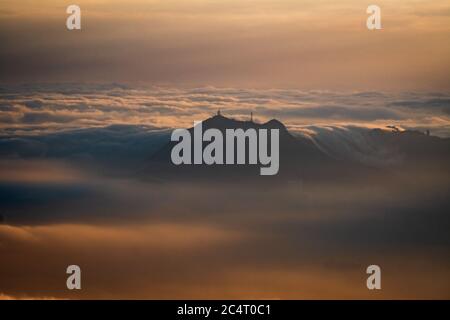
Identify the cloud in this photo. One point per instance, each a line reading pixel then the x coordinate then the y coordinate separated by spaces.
pixel 353 143
pixel 235 242
pixel 50 108
pixel 117 126
pixel 46 117
pixel 335 112
pixel 9 297
pixel 117 147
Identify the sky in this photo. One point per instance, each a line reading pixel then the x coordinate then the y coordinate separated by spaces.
pixel 239 43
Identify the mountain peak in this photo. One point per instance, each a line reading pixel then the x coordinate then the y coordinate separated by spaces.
pixel 222 122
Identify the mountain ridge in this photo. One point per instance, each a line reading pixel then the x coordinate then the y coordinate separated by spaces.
pixel 299 157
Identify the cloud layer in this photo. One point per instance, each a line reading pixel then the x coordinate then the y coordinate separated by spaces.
pixel 146 241
pixel 49 108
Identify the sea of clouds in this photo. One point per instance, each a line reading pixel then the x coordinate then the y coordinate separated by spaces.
pixel 35 109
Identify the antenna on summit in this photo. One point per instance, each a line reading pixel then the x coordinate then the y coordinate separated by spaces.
pixel 251 116
pixel 218 113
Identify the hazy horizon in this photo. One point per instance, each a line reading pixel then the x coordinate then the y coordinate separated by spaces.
pixel 300 44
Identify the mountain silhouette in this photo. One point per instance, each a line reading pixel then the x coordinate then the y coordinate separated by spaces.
pixel 299 159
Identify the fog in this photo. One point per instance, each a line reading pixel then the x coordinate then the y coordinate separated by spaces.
pixel 137 239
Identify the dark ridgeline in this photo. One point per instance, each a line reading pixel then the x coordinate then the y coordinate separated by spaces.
pixel 299 159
